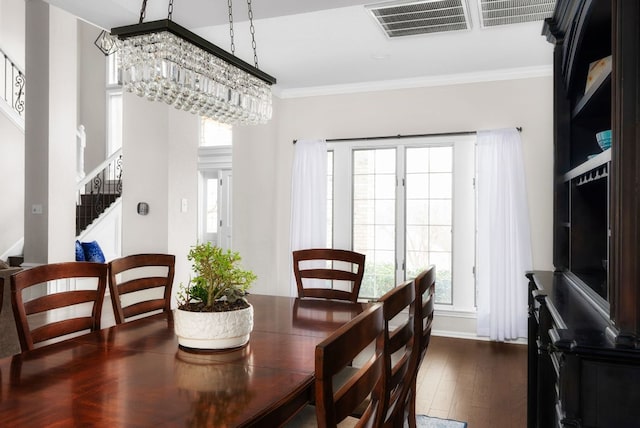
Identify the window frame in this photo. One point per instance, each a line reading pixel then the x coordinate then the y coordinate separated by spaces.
pixel 214 162
pixel 113 90
pixel 463 287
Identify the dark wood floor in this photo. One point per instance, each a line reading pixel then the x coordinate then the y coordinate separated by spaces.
pixel 481 383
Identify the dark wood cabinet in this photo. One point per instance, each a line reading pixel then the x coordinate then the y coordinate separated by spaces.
pixel 578 376
pixel 584 318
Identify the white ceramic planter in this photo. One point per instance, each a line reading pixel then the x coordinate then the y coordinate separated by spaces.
pixel 212 372
pixel 213 330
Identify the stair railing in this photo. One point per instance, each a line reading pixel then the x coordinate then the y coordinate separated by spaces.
pixel 98 190
pixel 13 85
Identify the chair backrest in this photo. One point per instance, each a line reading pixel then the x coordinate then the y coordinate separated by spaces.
pixel 141 272
pixel 400 347
pixel 425 284
pixel 44 328
pixel 335 273
pixel 334 354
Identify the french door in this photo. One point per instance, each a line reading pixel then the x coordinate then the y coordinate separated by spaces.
pixel 216 224
pixel 394 201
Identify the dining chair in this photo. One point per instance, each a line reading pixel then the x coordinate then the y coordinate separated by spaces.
pixel 400 353
pixel 149 276
pixel 425 286
pixel 313 264
pixel 336 402
pixel 37 319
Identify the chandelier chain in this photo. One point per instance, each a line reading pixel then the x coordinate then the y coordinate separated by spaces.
pixel 253 34
pixel 155 55
pixel 143 10
pixel 233 46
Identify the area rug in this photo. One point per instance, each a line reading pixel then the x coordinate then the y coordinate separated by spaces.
pixel 423 421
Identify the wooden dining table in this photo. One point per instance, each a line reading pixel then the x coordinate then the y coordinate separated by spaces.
pixel 135 374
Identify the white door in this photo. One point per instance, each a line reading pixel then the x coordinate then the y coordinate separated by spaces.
pixel 209 208
pixel 216 208
pixel 224 209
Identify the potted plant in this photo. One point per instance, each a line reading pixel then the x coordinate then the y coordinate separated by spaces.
pixel 212 310
pixel 219 392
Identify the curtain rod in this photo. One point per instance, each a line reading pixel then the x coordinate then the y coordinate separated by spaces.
pixel 389 137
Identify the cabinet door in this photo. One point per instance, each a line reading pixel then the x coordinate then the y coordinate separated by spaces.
pixel 619 406
pixel 624 275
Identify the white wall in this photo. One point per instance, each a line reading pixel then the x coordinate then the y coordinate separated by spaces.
pixel 183 184
pixel 36 129
pixel 63 107
pixel 12 177
pixel 255 207
pixel 159 167
pixel 12 41
pixel 50 133
pixel 12 27
pixel 263 156
pixel 145 178
pixel 92 102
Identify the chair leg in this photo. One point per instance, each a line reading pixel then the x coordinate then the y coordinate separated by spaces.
pixel 412 404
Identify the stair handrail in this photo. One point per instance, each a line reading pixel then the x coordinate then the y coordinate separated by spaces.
pixel 95 171
pixel 98 190
pixel 14 76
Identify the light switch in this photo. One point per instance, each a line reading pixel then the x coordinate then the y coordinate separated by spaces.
pixel 184 205
pixel 36 209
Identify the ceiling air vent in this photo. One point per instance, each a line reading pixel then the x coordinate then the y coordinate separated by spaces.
pixel 503 12
pixel 399 19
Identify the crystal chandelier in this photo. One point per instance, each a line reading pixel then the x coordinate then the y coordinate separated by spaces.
pixel 163 61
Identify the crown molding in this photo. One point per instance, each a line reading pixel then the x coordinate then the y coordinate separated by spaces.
pixel 418 82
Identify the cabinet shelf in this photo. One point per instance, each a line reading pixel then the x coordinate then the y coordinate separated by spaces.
pixel 589 166
pixel 601 87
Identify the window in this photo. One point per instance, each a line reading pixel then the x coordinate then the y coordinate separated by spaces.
pixel 374 217
pixel 114 105
pixel 114 73
pixel 211 208
pixel 213 133
pixel 394 201
pixel 114 120
pixel 429 221
pixel 214 165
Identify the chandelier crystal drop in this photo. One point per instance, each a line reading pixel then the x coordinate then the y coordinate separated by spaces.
pixel 164 67
pixel 162 61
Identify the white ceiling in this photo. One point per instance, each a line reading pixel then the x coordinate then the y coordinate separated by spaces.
pixel 336 45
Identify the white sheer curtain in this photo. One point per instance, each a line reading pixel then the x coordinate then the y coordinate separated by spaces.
pixel 308 198
pixel 504 240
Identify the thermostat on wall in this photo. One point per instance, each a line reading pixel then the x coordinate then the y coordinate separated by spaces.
pixel 143 208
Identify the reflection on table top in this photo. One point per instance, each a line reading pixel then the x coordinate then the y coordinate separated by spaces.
pixel 135 374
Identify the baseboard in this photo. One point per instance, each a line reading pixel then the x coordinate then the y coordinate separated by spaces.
pixel 471 336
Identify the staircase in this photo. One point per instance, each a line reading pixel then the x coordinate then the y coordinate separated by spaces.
pixel 12 92
pixel 98 190
pixel 12 111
